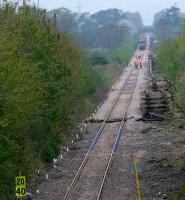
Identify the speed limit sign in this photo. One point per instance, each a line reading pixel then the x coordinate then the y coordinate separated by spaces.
pixel 20 186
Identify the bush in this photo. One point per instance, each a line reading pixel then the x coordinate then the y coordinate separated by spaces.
pixel 42 77
pixel 98 58
pixel 170 60
pixel 125 51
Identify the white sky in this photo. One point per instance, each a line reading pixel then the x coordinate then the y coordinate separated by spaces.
pixel 147 8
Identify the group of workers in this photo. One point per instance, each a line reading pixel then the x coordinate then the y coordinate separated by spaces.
pixel 138 62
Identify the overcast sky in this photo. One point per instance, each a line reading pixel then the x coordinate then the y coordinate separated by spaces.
pixel 147 8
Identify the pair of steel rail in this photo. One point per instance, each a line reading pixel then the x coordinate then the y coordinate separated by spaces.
pixel 98 134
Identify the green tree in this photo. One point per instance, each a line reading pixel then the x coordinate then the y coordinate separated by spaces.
pixel 167 23
pixel 124 51
pixel 42 78
pixel 170 60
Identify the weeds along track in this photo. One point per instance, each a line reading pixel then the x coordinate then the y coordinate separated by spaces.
pixel 89 180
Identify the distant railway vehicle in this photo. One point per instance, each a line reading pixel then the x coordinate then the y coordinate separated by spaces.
pixel 142 43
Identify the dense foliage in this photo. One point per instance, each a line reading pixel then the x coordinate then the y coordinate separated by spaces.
pixel 124 51
pixel 97 58
pixel 167 23
pixel 44 81
pixel 105 29
pixel 170 59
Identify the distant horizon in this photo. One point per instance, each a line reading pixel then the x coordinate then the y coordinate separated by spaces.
pixel 145 23
pixel 146 9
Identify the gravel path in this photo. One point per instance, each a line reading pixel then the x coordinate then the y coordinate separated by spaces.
pixel 88 185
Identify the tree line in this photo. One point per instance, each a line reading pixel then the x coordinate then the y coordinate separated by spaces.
pixel 169 27
pixel 167 23
pixel 105 29
pixel 44 81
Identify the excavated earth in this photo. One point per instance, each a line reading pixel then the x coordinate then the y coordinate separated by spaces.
pixel 152 144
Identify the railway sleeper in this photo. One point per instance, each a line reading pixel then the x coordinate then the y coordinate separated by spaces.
pixel 115 120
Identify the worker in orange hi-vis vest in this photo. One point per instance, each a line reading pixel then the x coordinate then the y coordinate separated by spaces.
pixel 140 55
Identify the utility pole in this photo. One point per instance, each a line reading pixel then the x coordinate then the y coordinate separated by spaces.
pixel 25 2
pixel 175 4
pixel 38 3
pixel 55 20
pixel 79 7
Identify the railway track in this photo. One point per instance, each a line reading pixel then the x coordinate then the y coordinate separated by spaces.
pixel 118 136
pixel 107 156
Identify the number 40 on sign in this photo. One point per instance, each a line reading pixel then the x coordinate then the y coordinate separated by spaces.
pixel 20 186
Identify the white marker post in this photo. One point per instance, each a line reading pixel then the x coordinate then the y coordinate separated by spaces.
pixel 47 176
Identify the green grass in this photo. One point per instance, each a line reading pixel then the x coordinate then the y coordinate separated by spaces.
pixel 178 195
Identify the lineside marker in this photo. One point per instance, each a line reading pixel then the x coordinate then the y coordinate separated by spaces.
pixel 137 179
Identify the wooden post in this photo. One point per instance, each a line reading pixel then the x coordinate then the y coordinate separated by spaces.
pixel 137 178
